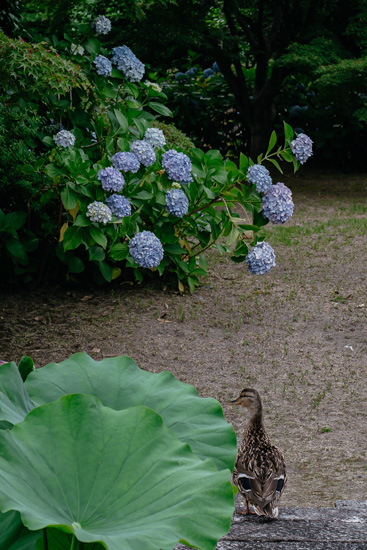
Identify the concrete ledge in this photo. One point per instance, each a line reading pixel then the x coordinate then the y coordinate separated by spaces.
pixel 341 528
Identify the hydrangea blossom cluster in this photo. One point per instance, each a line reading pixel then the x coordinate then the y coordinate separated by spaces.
pixel 76 50
pixel 119 206
pixel 260 177
pixel 208 73
pixel 302 147
pixel 99 212
pixel 277 204
pixel 156 87
pixel 177 165
pixel 143 151
pixel 127 162
pixel 64 138
pixel 128 63
pixel 177 202
pixel 146 249
pixel 260 259
pixel 102 25
pixel 155 137
pixel 111 179
pixel 104 66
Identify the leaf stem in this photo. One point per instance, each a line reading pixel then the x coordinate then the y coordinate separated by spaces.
pixel 45 541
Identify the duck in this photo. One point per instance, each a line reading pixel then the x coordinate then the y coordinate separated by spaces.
pixel 260 470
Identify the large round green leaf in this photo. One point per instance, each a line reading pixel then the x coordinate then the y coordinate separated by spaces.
pixel 13 534
pixel 116 477
pixel 14 400
pixel 120 383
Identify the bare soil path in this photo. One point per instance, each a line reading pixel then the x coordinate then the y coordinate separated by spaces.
pixel 298 335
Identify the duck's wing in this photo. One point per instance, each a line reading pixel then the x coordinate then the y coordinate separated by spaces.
pixel 260 478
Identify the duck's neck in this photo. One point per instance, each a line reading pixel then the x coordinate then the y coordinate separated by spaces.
pixel 256 420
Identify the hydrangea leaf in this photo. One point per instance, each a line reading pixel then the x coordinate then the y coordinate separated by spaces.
pixel 14 400
pixel 119 383
pixel 13 534
pixel 120 478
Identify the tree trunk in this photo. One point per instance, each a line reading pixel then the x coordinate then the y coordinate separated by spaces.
pixel 261 126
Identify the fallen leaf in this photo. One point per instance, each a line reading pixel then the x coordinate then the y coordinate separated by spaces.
pixel 361 305
pixel 96 350
pixel 86 298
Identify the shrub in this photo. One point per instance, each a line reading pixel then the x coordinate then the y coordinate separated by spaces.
pixel 116 448
pixel 107 119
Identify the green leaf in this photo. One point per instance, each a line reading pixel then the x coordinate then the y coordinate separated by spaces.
pixel 272 141
pixel 287 156
pixel 98 236
pixel 96 253
pixel 160 108
pixel 13 534
pixel 75 264
pixel 27 169
pixel 174 249
pixel 16 249
pixel 14 400
pixel 243 163
pixel 15 220
pixel 92 46
pixel 120 384
pixel 25 366
pixel 72 238
pixel 69 198
pixel 116 477
pixel 119 251
pixel 48 141
pixel 106 271
pixel 288 132
pixel 53 171
pixel 122 120
pixel 276 164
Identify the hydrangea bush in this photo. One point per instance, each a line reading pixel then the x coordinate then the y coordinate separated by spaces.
pixel 132 202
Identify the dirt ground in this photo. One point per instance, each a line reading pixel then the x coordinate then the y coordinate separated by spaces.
pixel 298 335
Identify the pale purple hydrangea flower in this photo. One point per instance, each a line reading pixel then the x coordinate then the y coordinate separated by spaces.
pixel 103 65
pixel 260 177
pixel 119 206
pixel 302 148
pixel 277 204
pixel 155 138
pixel 128 63
pixel 111 179
pixel 99 212
pixel 146 249
pixel 177 165
pixel 102 25
pixel 143 151
pixel 127 162
pixel 64 138
pixel 177 202
pixel 260 259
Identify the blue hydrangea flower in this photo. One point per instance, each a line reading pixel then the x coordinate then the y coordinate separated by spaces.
pixel 192 71
pixel 146 249
pixel 277 204
pixel 216 68
pixel 119 206
pixel 259 176
pixel 155 138
pixel 102 25
pixel 177 202
pixel 177 165
pixel 99 212
pixel 76 50
pixel 127 162
pixel 111 179
pixel 104 66
pixel 207 73
pixel 128 63
pixel 64 138
pixel 143 151
pixel 180 77
pixel 260 259
pixel 302 147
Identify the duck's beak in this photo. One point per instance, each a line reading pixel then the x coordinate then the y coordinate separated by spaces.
pixel 234 402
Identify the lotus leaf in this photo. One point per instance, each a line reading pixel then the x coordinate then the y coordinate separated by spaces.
pixel 14 400
pixel 119 383
pixel 13 534
pixel 116 477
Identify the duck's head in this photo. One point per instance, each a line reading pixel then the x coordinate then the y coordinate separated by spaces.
pixel 248 398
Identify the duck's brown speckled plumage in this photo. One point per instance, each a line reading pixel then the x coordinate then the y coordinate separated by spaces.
pixel 260 471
